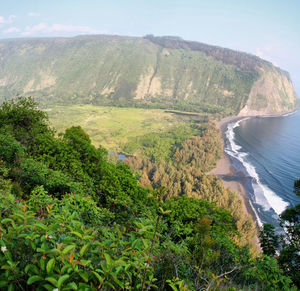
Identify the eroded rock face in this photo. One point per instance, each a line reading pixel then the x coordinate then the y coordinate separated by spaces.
pixel 156 71
pixel 272 93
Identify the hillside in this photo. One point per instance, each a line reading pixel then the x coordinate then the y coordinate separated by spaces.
pixel 70 219
pixel 155 72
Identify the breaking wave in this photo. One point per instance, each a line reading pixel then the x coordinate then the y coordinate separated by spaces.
pixel 263 195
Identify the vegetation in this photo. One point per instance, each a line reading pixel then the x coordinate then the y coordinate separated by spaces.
pixel 150 72
pixel 114 127
pixel 285 247
pixel 168 149
pixel 181 166
pixel 72 220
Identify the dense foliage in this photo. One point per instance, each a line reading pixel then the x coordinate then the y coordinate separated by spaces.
pixel 72 220
pixel 285 246
pixel 181 168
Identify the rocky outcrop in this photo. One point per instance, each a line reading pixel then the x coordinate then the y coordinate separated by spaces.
pixel 273 93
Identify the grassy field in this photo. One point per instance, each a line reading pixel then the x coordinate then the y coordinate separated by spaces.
pixel 112 127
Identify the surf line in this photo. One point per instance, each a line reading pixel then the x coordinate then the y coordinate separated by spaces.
pixel 263 195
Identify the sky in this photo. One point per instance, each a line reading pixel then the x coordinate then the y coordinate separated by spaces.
pixel 267 28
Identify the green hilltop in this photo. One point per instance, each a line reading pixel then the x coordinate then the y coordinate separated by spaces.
pixel 148 72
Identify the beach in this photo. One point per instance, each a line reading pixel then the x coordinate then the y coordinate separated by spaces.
pixel 231 178
pixel 234 181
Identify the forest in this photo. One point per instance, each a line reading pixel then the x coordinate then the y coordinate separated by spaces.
pixel 72 219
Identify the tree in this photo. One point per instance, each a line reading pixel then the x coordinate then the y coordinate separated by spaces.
pixel 288 243
pixel 22 118
pixel 289 258
pixel 269 241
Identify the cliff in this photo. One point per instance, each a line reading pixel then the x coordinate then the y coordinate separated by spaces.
pixel 164 72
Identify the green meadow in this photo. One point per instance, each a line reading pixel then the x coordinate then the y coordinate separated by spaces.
pixel 113 127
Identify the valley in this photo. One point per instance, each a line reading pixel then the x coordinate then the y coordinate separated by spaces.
pixel 158 217
pixel 113 127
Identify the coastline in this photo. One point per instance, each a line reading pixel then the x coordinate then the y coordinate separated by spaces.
pixel 224 170
pixel 230 177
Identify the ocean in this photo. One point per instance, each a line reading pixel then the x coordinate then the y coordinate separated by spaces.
pixel 267 151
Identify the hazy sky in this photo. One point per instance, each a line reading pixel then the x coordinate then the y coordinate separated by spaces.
pixel 267 28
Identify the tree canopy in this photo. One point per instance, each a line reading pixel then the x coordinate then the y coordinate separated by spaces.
pixel 72 220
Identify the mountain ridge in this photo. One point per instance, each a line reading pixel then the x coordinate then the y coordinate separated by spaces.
pixel 157 72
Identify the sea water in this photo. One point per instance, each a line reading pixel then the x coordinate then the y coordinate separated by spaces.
pixel 267 151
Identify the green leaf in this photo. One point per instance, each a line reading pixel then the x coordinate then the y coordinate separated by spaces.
pixel 77 234
pixel 145 243
pixel 100 279
pixel 27 268
pixel 5 267
pixel 41 226
pixel 134 243
pixel 64 269
pixel 110 285
pixel 55 252
pixel 62 279
pixel 42 264
pixel 50 265
pixel 83 249
pixel 68 248
pixel 8 255
pixel 84 276
pixel 108 259
pixel 5 220
pixel 33 279
pixel 118 282
pixel 48 287
pixel 86 262
pixel 3 283
pixel 84 286
pixel 52 280
pixel 35 269
pixel 171 284
pixel 72 286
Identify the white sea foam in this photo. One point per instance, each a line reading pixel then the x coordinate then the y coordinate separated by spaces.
pixel 280 115
pixel 290 113
pixel 263 195
pixel 259 222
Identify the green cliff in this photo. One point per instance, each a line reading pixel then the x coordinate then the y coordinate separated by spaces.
pixel 165 72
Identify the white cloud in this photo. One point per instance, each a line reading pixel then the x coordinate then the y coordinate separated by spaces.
pixel 11 30
pixel 33 14
pixel 266 53
pixel 39 28
pixel 71 28
pixel 259 52
pixel 45 28
pixel 10 19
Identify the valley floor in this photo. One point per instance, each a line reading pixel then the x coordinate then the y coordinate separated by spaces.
pixel 112 127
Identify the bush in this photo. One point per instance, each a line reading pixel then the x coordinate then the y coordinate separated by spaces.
pixel 54 249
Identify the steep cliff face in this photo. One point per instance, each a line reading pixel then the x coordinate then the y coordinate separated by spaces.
pixel 272 93
pixel 165 72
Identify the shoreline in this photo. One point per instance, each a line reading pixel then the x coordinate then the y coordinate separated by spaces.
pixel 224 170
pixel 235 181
